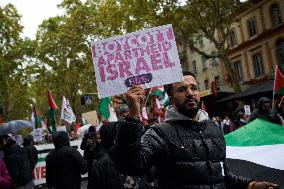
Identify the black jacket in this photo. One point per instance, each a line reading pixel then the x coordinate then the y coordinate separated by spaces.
pixel 18 165
pixel 88 149
pixel 64 165
pixel 31 151
pixel 32 155
pixel 184 153
pixel 104 174
pixel 270 116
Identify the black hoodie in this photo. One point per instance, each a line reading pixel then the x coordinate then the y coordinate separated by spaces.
pixel 104 174
pixel 17 163
pixel 64 165
pixel 270 116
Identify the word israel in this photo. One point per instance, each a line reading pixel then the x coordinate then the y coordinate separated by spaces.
pixel 119 53
pixel 135 58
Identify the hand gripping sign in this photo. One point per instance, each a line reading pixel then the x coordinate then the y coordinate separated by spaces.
pixel 148 58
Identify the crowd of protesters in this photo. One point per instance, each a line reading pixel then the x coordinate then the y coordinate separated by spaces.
pixel 132 154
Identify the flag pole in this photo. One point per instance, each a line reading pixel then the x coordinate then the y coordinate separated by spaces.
pixel 148 96
pixel 273 103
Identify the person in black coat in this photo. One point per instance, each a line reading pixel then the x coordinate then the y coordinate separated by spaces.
pixel 185 150
pixel 88 145
pixel 31 151
pixel 64 164
pixel 265 112
pixel 18 165
pixel 104 174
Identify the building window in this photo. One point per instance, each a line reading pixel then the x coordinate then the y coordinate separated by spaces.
pixel 280 53
pixel 206 84
pixel 238 70
pixel 204 64
pixel 233 38
pixel 257 65
pixel 252 27
pixel 217 81
pixel 276 15
pixel 194 70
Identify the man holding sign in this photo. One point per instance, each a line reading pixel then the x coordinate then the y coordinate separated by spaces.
pixel 186 150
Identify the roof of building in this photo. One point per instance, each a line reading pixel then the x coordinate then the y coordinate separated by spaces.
pixel 256 89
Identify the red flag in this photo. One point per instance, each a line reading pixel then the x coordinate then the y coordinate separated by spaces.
pixel 203 107
pixel 278 82
pixel 51 102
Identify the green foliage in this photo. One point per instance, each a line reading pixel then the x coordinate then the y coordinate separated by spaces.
pixel 60 56
pixel 14 98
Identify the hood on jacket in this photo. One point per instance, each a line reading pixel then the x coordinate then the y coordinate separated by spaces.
pixel 60 139
pixel 173 115
pixel 27 141
pixel 107 134
pixel 261 101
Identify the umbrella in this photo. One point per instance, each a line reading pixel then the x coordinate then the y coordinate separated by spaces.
pixel 14 126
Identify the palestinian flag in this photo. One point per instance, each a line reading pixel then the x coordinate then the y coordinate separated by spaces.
pixel 106 112
pixel 161 94
pixel 278 82
pixel 51 111
pixel 257 151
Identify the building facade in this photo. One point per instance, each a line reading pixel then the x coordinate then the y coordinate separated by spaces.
pixel 256 47
pixel 257 44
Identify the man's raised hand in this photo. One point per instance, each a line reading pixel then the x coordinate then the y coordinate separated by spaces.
pixel 135 98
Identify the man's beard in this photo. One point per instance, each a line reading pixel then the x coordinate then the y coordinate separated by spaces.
pixel 189 112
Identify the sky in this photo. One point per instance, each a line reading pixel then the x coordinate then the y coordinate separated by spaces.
pixel 33 12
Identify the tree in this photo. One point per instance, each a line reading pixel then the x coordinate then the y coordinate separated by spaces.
pixel 14 97
pixel 211 20
pixel 193 20
pixel 63 57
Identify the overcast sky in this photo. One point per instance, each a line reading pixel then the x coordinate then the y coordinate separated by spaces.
pixel 33 12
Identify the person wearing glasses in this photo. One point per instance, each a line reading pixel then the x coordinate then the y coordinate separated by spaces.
pixel 185 151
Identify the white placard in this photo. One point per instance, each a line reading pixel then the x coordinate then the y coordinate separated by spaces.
pixel 147 58
pixel 247 109
pixel 67 112
pixel 37 135
pixel 61 128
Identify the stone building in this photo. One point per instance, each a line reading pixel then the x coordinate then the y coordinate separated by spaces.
pixel 256 47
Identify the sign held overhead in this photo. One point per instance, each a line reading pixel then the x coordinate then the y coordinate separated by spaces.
pixel 148 58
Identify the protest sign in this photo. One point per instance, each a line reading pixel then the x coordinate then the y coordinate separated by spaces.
pixel 147 58
pixel 91 117
pixel 61 128
pixel 247 109
pixel 37 135
pixel 67 112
